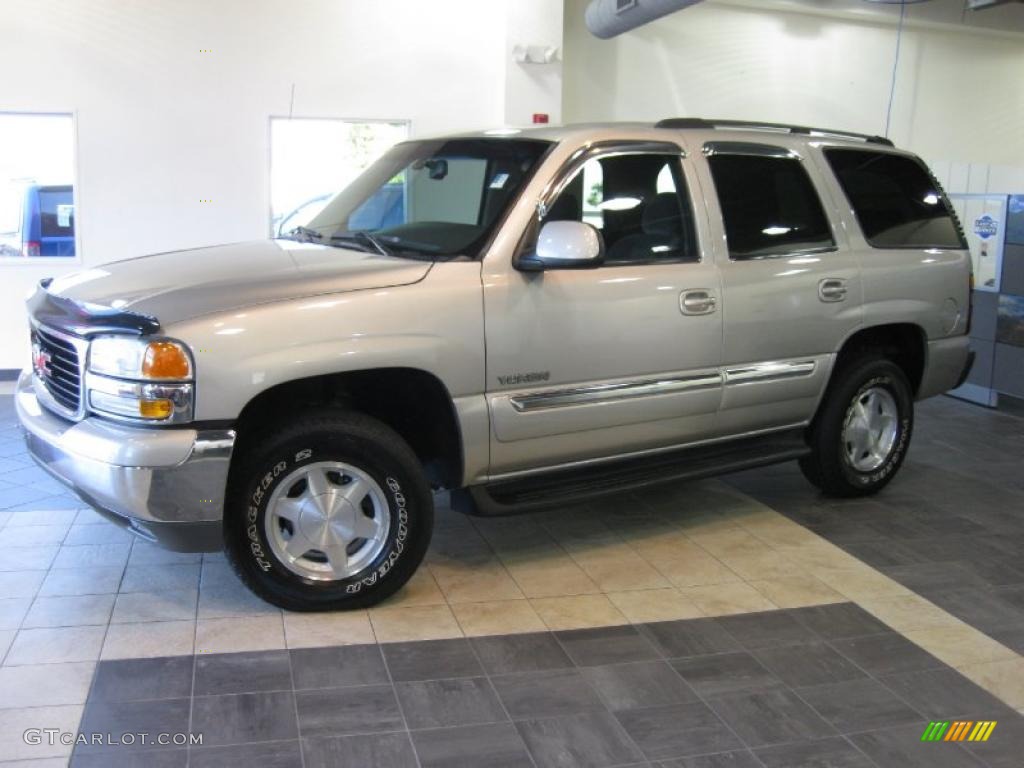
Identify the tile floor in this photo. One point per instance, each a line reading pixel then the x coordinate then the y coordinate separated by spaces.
pixel 75 590
pixel 771 688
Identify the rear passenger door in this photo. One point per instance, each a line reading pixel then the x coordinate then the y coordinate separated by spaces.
pixel 791 288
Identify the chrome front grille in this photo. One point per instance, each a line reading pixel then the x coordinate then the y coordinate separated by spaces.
pixel 57 361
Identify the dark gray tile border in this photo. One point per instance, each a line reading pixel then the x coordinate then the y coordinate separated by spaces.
pixel 694 699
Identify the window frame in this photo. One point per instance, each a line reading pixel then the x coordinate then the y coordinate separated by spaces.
pixel 777 152
pixel 70 261
pixel 943 197
pixel 600 150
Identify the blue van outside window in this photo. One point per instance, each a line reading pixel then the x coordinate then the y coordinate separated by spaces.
pixel 48 221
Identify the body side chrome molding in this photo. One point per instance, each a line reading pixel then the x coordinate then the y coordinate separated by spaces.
pixel 603 393
pixel 775 370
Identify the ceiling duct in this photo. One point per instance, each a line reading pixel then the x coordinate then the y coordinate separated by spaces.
pixel 608 18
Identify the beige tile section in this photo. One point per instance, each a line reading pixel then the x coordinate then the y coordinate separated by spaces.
pixel 554 576
pixel 422 622
pixel 70 611
pixel 243 633
pixel 797 591
pixel 1004 679
pixel 43 685
pixel 474 582
pixel 861 582
pixel 150 639
pixel 960 645
pixel 502 617
pixel 421 589
pixel 163 605
pixel 577 612
pixel 311 630
pixel 908 612
pixel 54 645
pixel 619 569
pixel 641 606
pixel 14 723
pixel 726 599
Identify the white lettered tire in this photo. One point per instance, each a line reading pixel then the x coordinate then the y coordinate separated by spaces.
pixel 327 512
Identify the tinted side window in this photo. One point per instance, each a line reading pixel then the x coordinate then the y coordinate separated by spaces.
pixel 640 204
pixel 897 203
pixel 769 206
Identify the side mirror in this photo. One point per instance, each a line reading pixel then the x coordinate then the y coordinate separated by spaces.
pixel 565 245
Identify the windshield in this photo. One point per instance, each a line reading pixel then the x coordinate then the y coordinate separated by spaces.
pixel 428 199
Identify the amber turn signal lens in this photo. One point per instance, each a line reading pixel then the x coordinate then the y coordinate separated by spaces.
pixel 155 409
pixel 165 360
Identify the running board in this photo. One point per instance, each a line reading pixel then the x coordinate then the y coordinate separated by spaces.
pixel 569 486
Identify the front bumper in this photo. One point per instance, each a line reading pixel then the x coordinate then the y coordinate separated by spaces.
pixel 164 484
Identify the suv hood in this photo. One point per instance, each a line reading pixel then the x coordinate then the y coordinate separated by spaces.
pixel 179 285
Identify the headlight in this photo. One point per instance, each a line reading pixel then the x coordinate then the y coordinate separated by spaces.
pixel 130 358
pixel 140 381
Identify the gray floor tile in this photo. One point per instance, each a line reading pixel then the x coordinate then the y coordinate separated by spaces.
pixel 944 694
pixel 168 677
pixel 859 705
pixel 338 666
pixel 431 660
pixel 474 746
pixel 444 703
pixel 547 694
pixel 1004 748
pixel 811 664
pixel 243 672
pixel 133 717
pixel 771 717
pixel 340 711
pixel 638 685
pixel 722 674
pixel 693 637
pixel 592 739
pixel 742 759
pixel 902 747
pixel 380 750
pixel 841 620
pixel 680 730
pixel 826 753
pixel 768 628
pixel 606 645
pixel 127 758
pixel 245 717
pixel 531 652
pixel 275 754
pixel 886 654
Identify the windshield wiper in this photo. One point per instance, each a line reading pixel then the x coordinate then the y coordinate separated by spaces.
pixel 365 239
pixel 305 234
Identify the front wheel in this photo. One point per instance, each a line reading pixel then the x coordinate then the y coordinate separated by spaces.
pixel 861 434
pixel 327 512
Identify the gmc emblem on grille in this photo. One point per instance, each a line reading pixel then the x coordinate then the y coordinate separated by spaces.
pixel 40 361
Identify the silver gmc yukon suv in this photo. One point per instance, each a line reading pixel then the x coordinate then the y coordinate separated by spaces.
pixel 523 318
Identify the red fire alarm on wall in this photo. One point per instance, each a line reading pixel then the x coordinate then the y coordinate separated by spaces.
pixel 540 118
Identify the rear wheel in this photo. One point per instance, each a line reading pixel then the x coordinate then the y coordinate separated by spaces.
pixel 861 434
pixel 328 512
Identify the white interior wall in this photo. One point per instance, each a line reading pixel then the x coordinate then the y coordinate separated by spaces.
pixel 161 126
pixel 959 95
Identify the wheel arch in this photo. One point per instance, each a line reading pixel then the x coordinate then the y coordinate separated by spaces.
pixel 413 402
pixel 905 344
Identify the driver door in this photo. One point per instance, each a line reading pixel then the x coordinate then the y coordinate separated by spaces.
pixel 584 364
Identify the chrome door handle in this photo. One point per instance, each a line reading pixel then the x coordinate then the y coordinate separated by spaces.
pixel 832 289
pixel 697 302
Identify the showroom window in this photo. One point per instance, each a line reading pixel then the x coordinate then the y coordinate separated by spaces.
pixel 37 186
pixel 639 202
pixel 769 205
pixel 312 159
pixel 897 202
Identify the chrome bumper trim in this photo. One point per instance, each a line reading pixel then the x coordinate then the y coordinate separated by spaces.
pixel 770 371
pixel 147 475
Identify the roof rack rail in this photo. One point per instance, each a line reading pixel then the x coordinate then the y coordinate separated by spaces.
pixel 700 122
